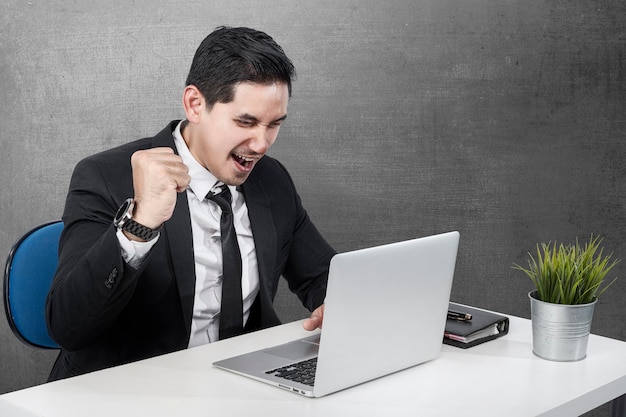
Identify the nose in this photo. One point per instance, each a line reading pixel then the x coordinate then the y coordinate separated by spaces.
pixel 262 139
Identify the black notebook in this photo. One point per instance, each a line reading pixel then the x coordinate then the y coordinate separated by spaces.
pixel 482 327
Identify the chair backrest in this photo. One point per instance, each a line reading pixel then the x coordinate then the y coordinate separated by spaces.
pixel 28 274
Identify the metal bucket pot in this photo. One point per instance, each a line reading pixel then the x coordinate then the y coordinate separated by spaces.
pixel 560 331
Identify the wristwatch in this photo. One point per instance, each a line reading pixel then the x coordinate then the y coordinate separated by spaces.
pixel 124 221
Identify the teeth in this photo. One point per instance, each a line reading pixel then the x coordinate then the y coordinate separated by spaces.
pixel 244 158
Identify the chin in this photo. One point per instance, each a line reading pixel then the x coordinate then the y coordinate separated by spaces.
pixel 237 180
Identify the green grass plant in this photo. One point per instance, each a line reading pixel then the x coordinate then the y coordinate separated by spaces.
pixel 569 274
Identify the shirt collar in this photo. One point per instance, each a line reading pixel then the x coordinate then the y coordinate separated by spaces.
pixel 202 181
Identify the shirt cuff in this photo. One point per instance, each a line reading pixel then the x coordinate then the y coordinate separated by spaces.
pixel 134 252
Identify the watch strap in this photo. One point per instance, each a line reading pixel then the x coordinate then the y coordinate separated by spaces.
pixel 139 230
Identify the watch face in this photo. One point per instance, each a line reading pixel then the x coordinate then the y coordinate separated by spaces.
pixel 124 212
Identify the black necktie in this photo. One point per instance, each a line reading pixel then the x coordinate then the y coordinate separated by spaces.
pixel 231 314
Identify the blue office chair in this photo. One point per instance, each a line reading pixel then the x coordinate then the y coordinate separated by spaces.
pixel 28 274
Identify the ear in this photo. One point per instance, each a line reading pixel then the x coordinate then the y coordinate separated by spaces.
pixel 193 103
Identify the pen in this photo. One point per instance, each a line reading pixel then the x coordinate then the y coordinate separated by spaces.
pixel 455 315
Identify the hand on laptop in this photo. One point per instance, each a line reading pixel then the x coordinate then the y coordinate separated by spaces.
pixel 315 320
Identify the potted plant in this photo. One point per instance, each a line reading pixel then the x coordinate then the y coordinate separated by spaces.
pixel 568 281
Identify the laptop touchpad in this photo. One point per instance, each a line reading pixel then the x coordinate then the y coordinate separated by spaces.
pixel 294 350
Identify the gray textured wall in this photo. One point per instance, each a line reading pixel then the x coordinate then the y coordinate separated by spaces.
pixel 504 120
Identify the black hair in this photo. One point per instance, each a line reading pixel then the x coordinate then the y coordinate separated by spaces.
pixel 228 56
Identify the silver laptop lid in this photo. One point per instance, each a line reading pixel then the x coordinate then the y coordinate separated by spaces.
pixel 385 310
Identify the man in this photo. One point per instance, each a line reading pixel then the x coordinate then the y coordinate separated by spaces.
pixel 142 267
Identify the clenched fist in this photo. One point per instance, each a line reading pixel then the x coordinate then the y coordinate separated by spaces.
pixel 158 175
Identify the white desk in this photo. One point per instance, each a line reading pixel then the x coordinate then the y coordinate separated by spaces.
pixel 499 378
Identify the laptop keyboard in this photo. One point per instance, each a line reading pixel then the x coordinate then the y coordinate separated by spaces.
pixel 302 372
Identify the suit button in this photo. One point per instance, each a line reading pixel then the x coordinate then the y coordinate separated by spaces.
pixel 111 279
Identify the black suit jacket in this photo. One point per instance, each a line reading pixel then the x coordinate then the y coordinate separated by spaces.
pixel 104 313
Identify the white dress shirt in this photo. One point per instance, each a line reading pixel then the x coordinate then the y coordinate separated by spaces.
pixel 205 228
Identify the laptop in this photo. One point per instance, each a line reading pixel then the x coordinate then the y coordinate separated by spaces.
pixel 385 311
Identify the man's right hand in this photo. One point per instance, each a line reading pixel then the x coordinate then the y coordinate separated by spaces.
pixel 158 175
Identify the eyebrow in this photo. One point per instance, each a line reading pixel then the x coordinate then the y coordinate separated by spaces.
pixel 252 118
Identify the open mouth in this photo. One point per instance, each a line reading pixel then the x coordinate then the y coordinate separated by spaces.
pixel 244 162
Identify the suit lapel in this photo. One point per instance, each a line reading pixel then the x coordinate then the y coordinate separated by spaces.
pixel 177 231
pixel 264 233
pixel 180 245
